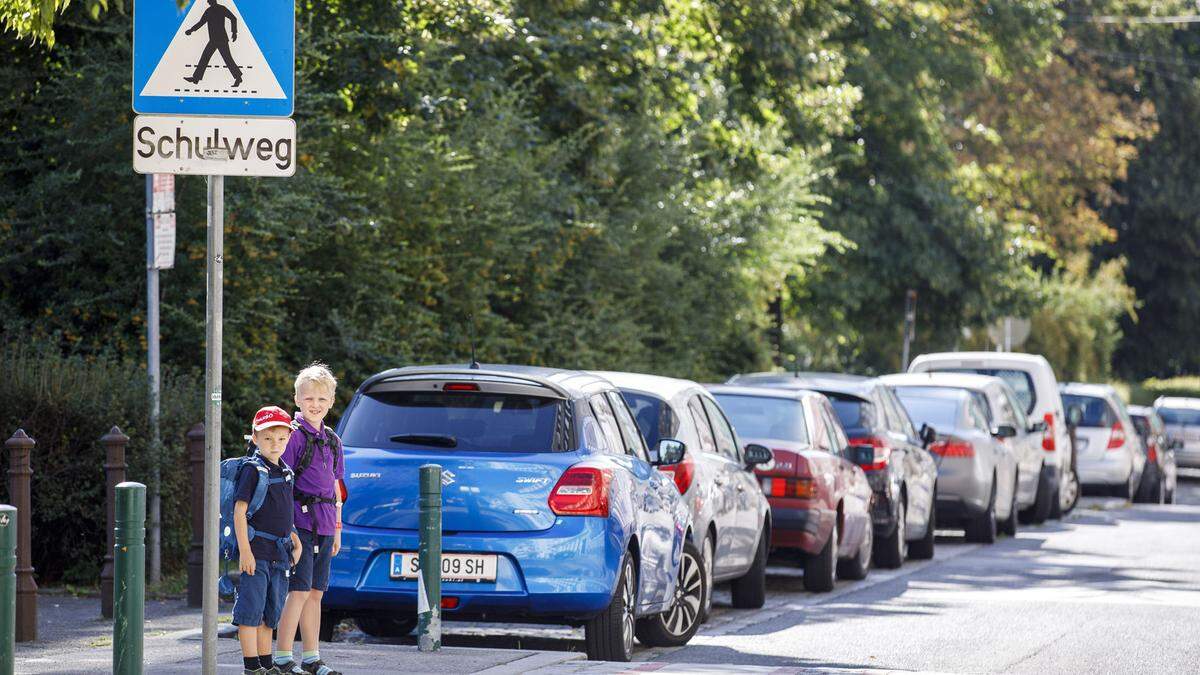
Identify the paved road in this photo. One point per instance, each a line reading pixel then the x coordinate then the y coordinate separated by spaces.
pixel 1114 589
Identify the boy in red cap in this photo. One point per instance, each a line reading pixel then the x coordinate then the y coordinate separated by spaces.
pixel 263 560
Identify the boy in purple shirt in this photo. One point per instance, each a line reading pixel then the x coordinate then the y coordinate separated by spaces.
pixel 315 454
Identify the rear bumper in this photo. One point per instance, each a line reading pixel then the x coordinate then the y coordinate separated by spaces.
pixel 1111 468
pixel 567 572
pixel 1188 456
pixel 805 527
pixel 962 481
pixel 956 512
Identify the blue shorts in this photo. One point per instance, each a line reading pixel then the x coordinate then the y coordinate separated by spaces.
pixel 312 570
pixel 259 597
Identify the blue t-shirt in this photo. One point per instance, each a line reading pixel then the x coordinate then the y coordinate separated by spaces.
pixel 274 517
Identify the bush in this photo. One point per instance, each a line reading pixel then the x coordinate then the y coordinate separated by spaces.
pixel 66 404
pixel 1188 385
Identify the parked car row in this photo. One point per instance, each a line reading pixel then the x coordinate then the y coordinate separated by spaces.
pixel 615 501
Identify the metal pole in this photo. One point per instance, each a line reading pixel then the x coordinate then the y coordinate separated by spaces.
pixel 429 577
pixel 129 593
pixel 114 474
pixel 152 363
pixel 195 556
pixel 910 325
pixel 212 418
pixel 20 472
pixel 8 588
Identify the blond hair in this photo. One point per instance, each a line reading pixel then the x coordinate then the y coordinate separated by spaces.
pixel 316 373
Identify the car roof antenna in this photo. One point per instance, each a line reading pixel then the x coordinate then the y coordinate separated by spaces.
pixel 471 320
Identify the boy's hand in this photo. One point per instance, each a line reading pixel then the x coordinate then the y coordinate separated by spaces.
pixel 246 564
pixel 337 541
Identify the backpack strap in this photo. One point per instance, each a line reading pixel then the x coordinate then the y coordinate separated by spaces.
pixel 264 484
pixel 311 442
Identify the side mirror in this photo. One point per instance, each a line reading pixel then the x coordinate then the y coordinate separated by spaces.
pixel 1037 427
pixel 1175 444
pixel 669 451
pixel 1004 431
pixel 1074 415
pixel 928 434
pixel 757 455
pixel 862 455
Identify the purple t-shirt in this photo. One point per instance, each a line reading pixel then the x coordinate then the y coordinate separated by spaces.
pixel 318 479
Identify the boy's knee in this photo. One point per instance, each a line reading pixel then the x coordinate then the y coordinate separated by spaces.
pixel 298 596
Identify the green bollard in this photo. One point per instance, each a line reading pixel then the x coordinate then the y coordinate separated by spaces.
pixel 129 583
pixel 8 587
pixel 429 577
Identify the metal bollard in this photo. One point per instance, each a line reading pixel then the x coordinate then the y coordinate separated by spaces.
pixel 114 472
pixel 195 556
pixel 8 587
pixel 129 592
pixel 20 472
pixel 429 577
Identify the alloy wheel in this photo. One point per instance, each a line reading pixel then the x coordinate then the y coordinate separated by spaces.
pixel 629 596
pixel 689 594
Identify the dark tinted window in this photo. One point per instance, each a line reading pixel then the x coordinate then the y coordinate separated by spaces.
pixel 936 406
pixel 1019 380
pixel 1179 415
pixel 1142 424
pixel 765 417
pixel 654 417
pixel 1096 412
pixel 452 421
pixel 852 412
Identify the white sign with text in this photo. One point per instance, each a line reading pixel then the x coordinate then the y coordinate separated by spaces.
pixel 214 146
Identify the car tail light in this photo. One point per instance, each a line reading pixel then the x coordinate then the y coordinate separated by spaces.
pixel 796 488
pixel 460 386
pixel 883 451
pixel 1151 454
pixel 683 472
pixel 1116 439
pixel 449 602
pixel 952 448
pixel 581 491
pixel 1048 434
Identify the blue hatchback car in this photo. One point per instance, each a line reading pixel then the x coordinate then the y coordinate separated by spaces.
pixel 552 508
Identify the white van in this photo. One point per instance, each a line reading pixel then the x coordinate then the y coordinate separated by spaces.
pixel 1033 380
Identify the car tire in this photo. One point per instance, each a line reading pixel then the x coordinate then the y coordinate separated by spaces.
pixel 856 568
pixel 677 625
pixel 1168 496
pixel 708 551
pixel 380 627
pixel 819 569
pixel 982 529
pixel 1009 525
pixel 893 548
pixel 750 590
pixel 1043 504
pixel 329 623
pixel 609 635
pixel 1068 495
pixel 1126 490
pixel 922 549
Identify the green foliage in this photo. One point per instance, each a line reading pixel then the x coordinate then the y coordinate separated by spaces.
pixel 66 404
pixel 1185 385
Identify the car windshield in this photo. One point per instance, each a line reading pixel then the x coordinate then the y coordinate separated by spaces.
pixel 938 407
pixel 1184 416
pixel 765 417
pixel 852 412
pixel 654 417
pixel 1021 382
pixel 1095 409
pixel 455 421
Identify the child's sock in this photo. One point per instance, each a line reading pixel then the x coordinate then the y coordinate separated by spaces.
pixel 264 661
pixel 251 663
pixel 311 657
pixel 282 657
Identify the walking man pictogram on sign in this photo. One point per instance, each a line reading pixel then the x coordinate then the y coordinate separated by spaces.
pixel 218 41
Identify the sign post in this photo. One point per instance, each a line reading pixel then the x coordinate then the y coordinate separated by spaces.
pixel 214 89
pixel 160 254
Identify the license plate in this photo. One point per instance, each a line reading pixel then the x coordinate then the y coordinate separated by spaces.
pixel 476 567
pixel 1081 444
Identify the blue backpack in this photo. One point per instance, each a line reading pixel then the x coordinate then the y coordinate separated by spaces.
pixel 228 546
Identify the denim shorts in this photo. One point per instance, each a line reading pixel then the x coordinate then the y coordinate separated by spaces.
pixel 312 570
pixel 259 597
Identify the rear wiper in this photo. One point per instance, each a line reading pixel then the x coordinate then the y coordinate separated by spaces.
pixel 436 440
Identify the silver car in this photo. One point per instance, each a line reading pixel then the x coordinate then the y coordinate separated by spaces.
pixel 732 519
pixel 1182 417
pixel 1110 457
pixel 979 484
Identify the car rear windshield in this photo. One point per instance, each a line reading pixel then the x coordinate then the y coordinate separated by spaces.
pixel 765 417
pixel 1095 409
pixel 852 412
pixel 452 422
pixel 1021 382
pixel 1183 416
pixel 1142 424
pixel 939 407
pixel 654 417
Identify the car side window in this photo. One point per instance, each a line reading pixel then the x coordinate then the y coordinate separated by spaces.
pixel 977 417
pixel 608 424
pixel 726 441
pixel 703 430
pixel 1018 412
pixel 984 407
pixel 634 444
pixel 1006 415
pixel 837 439
pixel 820 433
pixel 906 425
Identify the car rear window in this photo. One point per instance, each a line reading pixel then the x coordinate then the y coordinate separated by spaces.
pixel 851 411
pixel 1096 412
pixel 1021 382
pixel 939 407
pixel 654 417
pixel 452 422
pixel 1142 424
pixel 1183 416
pixel 765 417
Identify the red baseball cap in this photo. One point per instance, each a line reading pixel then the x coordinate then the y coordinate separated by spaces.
pixel 271 416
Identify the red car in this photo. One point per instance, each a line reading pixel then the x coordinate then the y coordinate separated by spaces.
pixel 820 499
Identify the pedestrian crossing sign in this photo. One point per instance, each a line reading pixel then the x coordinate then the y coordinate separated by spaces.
pixel 214 57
